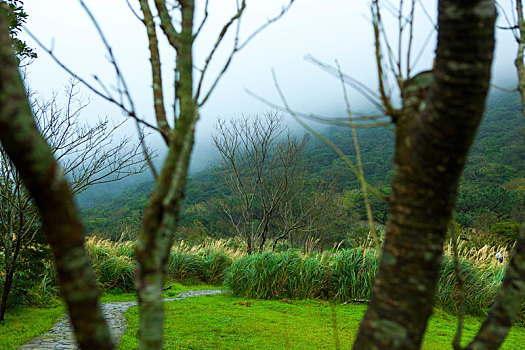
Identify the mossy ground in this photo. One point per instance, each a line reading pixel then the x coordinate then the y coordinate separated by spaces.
pixel 227 322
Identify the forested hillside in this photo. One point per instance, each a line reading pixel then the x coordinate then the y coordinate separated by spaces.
pixel 490 199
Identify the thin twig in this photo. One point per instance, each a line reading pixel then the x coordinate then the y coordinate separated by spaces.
pixel 238 46
pixel 329 143
pixel 361 176
pixel 203 20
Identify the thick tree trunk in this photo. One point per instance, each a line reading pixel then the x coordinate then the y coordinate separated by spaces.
pixel 433 137
pixel 44 180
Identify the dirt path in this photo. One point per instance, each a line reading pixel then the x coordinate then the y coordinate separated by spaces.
pixel 60 336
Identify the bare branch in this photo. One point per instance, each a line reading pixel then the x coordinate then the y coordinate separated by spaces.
pixel 328 120
pixel 236 47
pixel 158 94
pixel 361 173
pixel 236 17
pixel 121 80
pixel 376 21
pixel 167 25
pixel 364 90
pixel 329 143
pixel 133 11
pixel 203 20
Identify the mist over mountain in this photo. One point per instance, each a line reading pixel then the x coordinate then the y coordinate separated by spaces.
pixel 495 171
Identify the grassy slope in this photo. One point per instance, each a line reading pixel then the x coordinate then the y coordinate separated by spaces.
pixel 226 322
pixel 24 324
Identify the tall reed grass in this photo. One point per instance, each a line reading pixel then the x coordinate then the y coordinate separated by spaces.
pixel 342 275
pixel 114 262
pixel 277 275
pixel 349 275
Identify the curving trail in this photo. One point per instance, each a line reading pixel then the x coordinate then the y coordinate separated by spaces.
pixel 60 336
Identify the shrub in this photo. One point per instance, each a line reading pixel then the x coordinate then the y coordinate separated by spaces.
pixel 113 263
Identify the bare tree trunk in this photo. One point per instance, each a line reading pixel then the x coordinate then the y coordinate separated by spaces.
pixel 433 136
pixel 44 180
pixel 9 277
pixel 155 240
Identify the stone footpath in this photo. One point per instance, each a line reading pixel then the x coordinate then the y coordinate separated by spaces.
pixel 60 336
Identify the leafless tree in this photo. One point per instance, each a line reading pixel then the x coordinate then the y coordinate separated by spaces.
pixel 262 167
pixel 47 186
pixel 87 154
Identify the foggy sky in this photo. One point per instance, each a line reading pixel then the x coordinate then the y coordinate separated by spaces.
pixel 326 29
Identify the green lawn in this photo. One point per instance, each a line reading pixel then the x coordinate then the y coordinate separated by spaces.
pixel 23 324
pixel 226 322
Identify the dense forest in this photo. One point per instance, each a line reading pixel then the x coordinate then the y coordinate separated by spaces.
pixel 489 203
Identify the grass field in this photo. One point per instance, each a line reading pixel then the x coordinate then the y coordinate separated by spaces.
pixel 227 322
pixel 23 324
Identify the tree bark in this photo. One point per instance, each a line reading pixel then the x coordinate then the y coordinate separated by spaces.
pixel 11 261
pixel 518 62
pixel 433 136
pixel 160 216
pixel 44 180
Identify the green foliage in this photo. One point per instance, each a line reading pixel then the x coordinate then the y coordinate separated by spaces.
pixel 16 18
pixel 43 293
pixel 34 281
pixel 214 265
pixel 184 265
pixel 506 229
pixel 277 275
pixel 480 285
pixel 353 273
pixel 113 263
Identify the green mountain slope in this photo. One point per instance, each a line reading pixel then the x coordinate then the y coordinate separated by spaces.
pixel 492 188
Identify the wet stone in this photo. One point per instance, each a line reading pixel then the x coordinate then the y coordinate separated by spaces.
pixel 60 336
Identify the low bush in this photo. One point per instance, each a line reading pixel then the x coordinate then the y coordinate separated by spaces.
pixel 214 265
